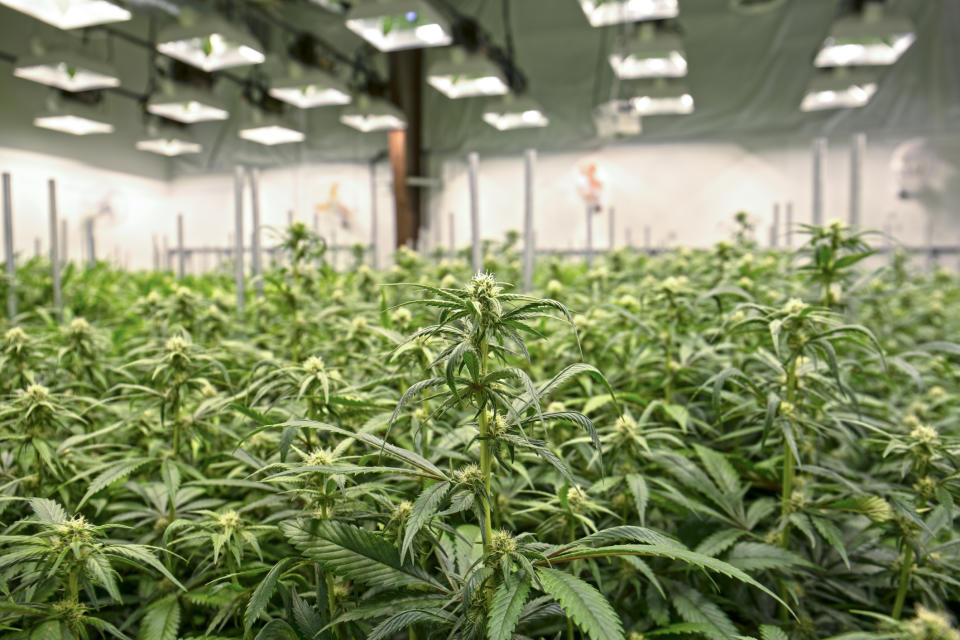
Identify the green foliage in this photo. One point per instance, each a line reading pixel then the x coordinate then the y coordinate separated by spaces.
pixel 718 443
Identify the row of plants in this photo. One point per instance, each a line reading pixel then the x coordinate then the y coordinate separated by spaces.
pixel 724 443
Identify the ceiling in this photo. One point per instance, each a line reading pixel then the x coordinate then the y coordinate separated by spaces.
pixel 748 72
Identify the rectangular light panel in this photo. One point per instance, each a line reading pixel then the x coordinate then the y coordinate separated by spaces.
pixel 368 123
pixel 75 125
pixel 865 52
pixel 64 76
pixel 310 96
pixel 211 53
pixel 458 86
pixel 272 134
pixel 663 105
pixel 609 12
pixel 70 14
pixel 516 120
pixel 188 111
pixel 169 146
pixel 670 64
pixel 401 36
pixel 856 95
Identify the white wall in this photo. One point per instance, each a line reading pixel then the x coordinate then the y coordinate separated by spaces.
pixel 138 206
pixel 686 193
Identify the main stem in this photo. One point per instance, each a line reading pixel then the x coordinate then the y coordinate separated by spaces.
pixel 786 483
pixel 485 456
pixel 904 582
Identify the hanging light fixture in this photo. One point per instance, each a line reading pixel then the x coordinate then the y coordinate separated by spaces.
pixel 391 25
pixel 650 55
pixel 71 14
pixel 269 130
pixel 67 116
pixel 168 141
pixel 467 76
pixel 866 39
pixel 601 13
pixel 617 118
pixel 67 70
pixel 842 89
pixel 515 112
pixel 187 105
pixel 662 97
pixel 307 89
pixel 368 114
pixel 210 43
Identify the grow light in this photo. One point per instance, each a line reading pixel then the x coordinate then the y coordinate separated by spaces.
pixel 269 130
pixel 663 99
pixel 515 113
pixel 210 44
pixel 71 14
pixel 651 56
pixel 67 71
pixel 310 89
pixel 866 40
pixel 72 123
pixel 466 77
pixel 187 106
pixel 391 25
pixel 601 13
pixel 373 115
pixel 839 91
pixel 169 146
pixel 617 118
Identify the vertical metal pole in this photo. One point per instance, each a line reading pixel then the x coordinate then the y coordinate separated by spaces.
pixel 289 215
pixel 54 249
pixel 238 235
pixel 453 236
pixel 528 240
pixel 613 229
pixel 819 169
pixel 646 238
pixel 253 174
pixel 37 247
pixel 858 148
pixel 473 161
pixel 91 242
pixel 63 242
pixel 181 253
pixel 589 252
pixel 789 222
pixel 629 238
pixel 374 218
pixel 156 253
pixel 775 226
pixel 8 248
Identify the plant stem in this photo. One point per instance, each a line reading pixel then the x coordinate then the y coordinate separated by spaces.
pixel 786 485
pixel 176 424
pixel 904 581
pixel 485 456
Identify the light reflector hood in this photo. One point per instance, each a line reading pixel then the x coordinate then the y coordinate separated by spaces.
pixel 601 13
pixel 309 89
pixel 391 25
pixel 71 14
pixel 187 105
pixel 866 39
pixel 650 55
pixel 209 44
pixel 467 76
pixel 841 90
pixel 515 112
pixel 67 70
pixel 372 114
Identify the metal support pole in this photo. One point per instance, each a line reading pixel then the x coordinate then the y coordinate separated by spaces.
pixel 238 236
pixel 91 242
pixel 374 219
pixel 181 253
pixel 646 238
pixel 54 253
pixel 789 221
pixel 613 229
pixel 775 226
pixel 253 175
pixel 530 159
pixel 157 264
pixel 37 247
pixel 858 148
pixel 589 251
pixel 289 215
pixel 63 242
pixel 819 170
pixel 453 236
pixel 629 238
pixel 8 248
pixel 473 161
